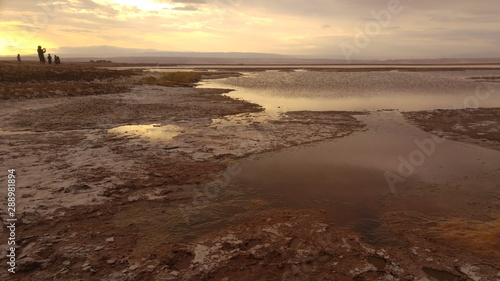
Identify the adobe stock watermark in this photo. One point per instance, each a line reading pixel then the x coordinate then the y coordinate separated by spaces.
pixel 427 147
pixel 407 165
pixel 483 92
pixel 225 6
pixel 363 38
pixel 227 3
pixel 12 250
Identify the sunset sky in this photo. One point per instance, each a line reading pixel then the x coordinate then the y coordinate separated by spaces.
pixel 322 28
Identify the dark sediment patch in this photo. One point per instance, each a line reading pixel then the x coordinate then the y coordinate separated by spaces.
pixel 441 275
pixel 478 126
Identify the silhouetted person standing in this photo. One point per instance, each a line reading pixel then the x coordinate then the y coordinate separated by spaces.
pixel 41 54
pixel 49 59
pixel 57 60
pixel 18 58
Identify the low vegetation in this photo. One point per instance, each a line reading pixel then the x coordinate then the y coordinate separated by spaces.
pixel 31 80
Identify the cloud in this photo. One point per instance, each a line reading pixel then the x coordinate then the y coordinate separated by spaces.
pixel 102 51
pixel 315 27
pixel 186 8
pixel 189 1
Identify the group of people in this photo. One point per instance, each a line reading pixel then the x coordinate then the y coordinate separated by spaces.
pixel 41 55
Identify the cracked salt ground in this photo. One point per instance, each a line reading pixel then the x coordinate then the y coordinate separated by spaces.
pixel 244 119
pixel 302 245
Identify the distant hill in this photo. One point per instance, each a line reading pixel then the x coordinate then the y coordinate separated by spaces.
pixel 248 59
pixel 284 60
pixel 137 55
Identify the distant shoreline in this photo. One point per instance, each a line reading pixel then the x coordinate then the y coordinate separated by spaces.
pixel 210 60
pixel 263 67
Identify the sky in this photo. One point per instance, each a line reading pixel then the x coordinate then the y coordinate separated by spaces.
pixel 350 29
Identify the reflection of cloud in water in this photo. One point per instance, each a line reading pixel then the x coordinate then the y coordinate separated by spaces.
pixel 154 132
pixel 310 90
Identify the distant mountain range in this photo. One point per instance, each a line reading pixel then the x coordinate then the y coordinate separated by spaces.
pixel 151 56
pixel 110 51
pixel 199 58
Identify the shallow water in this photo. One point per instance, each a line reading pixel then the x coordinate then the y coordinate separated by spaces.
pixel 315 66
pixel 347 177
pixel 392 166
pixel 155 132
pixel 312 90
pixel 441 275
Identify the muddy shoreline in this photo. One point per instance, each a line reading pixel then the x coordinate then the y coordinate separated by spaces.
pixel 476 126
pixel 94 204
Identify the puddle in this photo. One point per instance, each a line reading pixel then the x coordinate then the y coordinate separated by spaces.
pixel 441 275
pixel 247 245
pixel 294 243
pixel 346 177
pixel 325 258
pixel 180 260
pixel 155 132
pixel 375 234
pixel 379 263
pixel 15 133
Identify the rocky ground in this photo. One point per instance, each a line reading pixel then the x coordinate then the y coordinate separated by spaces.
pixel 100 200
